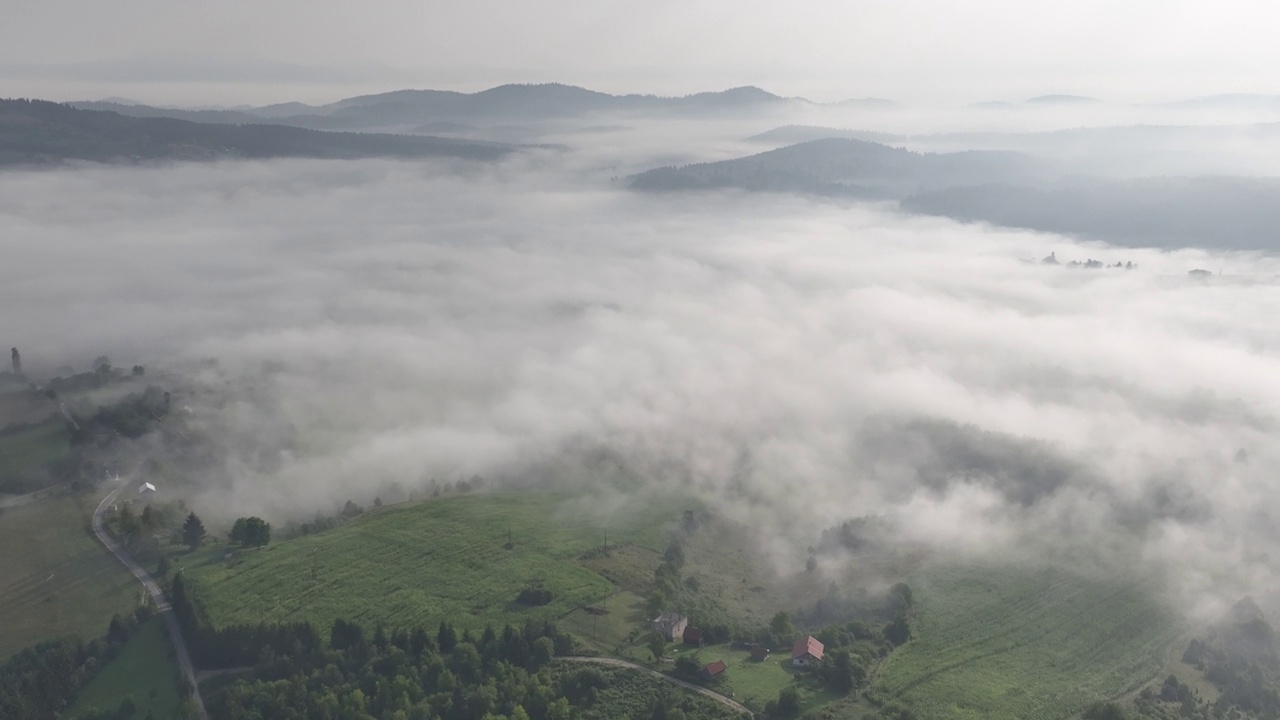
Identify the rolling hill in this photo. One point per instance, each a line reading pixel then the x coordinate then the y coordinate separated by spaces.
pixel 423 562
pixel 1008 188
pixel 846 167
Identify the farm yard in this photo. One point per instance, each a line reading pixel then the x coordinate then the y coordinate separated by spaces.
pixel 1020 643
pixel 423 562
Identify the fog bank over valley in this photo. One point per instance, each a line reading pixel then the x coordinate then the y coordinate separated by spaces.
pixel 356 328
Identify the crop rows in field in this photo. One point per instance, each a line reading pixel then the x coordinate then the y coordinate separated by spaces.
pixel 421 563
pixel 1030 644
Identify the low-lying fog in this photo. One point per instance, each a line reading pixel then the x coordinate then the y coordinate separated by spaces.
pixel 802 362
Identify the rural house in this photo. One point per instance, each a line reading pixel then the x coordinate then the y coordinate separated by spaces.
pixel 695 637
pixel 806 651
pixel 146 490
pixel 670 625
pixel 714 670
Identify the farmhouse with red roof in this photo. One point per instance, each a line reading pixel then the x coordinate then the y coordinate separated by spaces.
pixel 713 671
pixel 806 651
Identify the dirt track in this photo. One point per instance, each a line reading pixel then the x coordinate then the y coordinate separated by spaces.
pixel 615 662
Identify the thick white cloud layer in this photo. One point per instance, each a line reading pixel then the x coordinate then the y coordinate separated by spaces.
pixel 389 322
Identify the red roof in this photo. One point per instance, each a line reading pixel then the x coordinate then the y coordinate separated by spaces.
pixel 714 668
pixel 807 645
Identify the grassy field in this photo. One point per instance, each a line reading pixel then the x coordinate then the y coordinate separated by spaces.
pixel 55 579
pixel 754 683
pixel 1030 644
pixel 32 448
pixel 608 633
pixel 144 671
pixel 427 561
pixel 727 563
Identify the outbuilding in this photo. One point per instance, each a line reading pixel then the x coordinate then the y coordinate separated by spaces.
pixel 695 637
pixel 146 489
pixel 714 670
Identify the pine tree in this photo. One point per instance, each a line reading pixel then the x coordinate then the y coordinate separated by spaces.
pixel 192 531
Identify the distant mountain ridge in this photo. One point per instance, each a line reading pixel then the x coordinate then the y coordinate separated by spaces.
pixel 412 108
pixel 36 132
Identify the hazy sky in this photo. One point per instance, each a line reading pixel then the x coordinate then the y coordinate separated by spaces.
pixel 912 50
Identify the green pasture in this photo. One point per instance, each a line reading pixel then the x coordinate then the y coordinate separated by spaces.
pixel 424 562
pixel 55 579
pixel 144 671
pixel 1033 644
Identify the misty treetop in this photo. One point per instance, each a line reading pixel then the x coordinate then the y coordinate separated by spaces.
pixel 251 531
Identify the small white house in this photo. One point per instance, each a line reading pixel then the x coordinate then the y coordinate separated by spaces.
pixel 146 490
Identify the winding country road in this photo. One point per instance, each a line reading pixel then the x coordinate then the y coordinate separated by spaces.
pixel 615 662
pixel 157 595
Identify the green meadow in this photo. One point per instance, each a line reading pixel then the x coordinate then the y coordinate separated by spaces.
pixel 55 579
pixel 144 672
pixel 463 558
pixel 1033 644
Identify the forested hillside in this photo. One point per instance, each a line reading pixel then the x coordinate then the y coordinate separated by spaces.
pixel 35 132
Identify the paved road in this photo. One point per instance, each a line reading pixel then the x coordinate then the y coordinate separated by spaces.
pixel 615 662
pixel 157 595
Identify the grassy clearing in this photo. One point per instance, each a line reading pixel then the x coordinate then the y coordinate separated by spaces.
pixel 1021 643
pixel 55 579
pixel 144 670
pixel 32 448
pixel 610 633
pixel 427 561
pixel 755 682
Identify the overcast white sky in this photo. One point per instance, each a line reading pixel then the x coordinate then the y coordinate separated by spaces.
pixel 912 50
